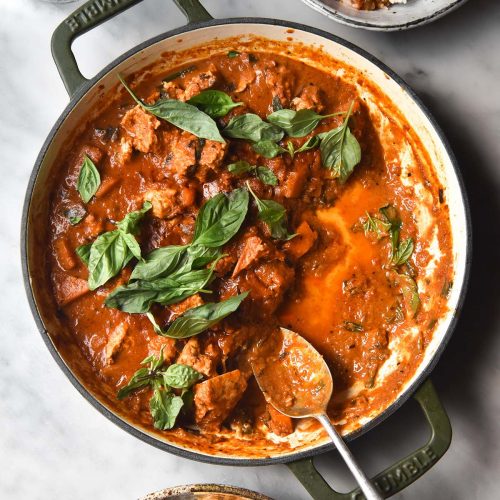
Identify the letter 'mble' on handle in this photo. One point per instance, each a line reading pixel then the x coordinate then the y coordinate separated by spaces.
pixel 401 474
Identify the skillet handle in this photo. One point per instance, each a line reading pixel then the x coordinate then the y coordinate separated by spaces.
pixel 401 474
pixel 90 15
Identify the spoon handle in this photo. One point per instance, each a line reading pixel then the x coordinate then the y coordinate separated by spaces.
pixel 364 482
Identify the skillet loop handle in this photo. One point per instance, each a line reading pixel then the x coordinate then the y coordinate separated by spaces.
pixel 90 15
pixel 401 474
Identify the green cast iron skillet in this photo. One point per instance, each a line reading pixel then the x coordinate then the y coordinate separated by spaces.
pixel 394 478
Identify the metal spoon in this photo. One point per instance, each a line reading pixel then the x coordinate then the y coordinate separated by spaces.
pixel 296 380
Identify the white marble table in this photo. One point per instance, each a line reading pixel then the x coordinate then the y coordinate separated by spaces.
pixel 54 445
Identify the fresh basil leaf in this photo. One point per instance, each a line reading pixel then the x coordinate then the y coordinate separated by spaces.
pixel 403 252
pixel 274 215
pixel 311 143
pixel 252 128
pixel 181 376
pixel 391 216
pixel 109 254
pixel 75 214
pixel 266 175
pixel 141 378
pixel 165 408
pixel 75 220
pixel 130 223
pixel 159 263
pixel 138 296
pixel 199 256
pixel 113 250
pixel 340 150
pixel 240 167
pixel 181 114
pixel 220 218
pixel 83 252
pixel 198 319
pixel 409 290
pixel 233 53
pixel 89 180
pixel 179 74
pixel 214 103
pixel 376 225
pixel 268 149
pixel 353 327
pixel 297 123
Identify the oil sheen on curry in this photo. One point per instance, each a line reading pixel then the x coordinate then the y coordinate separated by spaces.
pixel 208 205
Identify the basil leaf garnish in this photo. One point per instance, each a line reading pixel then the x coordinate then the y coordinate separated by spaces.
pixel 164 404
pixel 252 128
pixel 159 263
pixel 297 123
pixel 181 114
pixel 311 143
pixel 165 407
pixel 340 150
pixel 266 175
pixel 233 53
pixel 240 167
pixel 138 296
pixel 376 225
pixel 198 319
pixel 214 103
pixel 220 218
pixel 181 376
pixel 89 180
pixel 112 251
pixel 274 215
pixel 403 252
pixel 409 289
pixel 83 252
pixel 392 218
pixel 268 149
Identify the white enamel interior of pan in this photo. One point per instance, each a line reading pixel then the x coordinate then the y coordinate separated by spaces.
pixel 405 103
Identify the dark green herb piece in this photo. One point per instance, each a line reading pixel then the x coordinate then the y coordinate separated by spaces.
pixel 159 263
pixel 138 296
pixel 181 114
pixel 83 252
pixel 447 286
pixel 233 53
pixel 403 252
pixel 199 319
pixel 410 293
pixel 220 218
pixel 164 404
pixel 179 74
pixel 276 103
pixel 311 143
pixel 353 327
pixel 340 150
pixel 274 215
pixel 214 103
pixel 89 180
pixel 181 376
pixel 297 123
pixel 240 167
pixel 376 225
pixel 252 128
pixel 266 175
pixel 165 407
pixel 112 251
pixel 75 220
pixel 268 149
pixel 392 217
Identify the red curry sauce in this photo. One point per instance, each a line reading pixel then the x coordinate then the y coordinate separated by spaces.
pixel 331 283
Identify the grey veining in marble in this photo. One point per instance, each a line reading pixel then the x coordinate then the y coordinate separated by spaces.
pixel 54 445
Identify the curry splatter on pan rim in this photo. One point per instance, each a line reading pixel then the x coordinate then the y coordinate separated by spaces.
pixel 79 93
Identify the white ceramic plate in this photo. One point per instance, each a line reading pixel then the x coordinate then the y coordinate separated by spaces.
pixel 395 18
